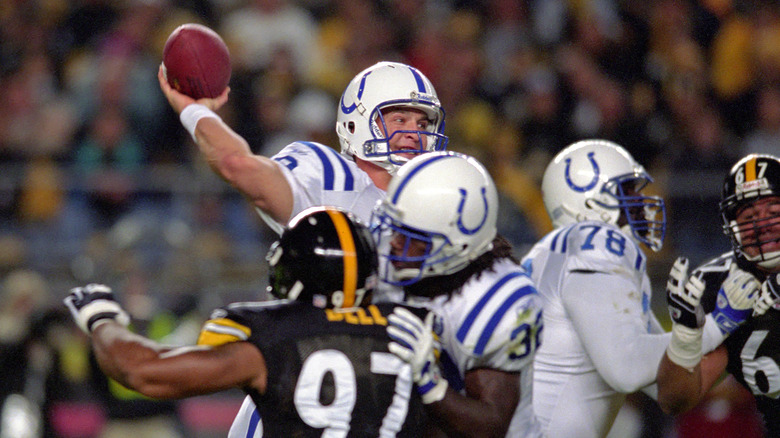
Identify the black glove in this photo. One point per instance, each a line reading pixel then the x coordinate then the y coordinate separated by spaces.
pixel 93 303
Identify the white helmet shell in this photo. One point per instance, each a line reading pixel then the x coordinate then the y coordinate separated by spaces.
pixel 585 181
pixel 386 84
pixel 446 199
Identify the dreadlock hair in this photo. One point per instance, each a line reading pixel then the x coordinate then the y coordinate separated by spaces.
pixel 450 284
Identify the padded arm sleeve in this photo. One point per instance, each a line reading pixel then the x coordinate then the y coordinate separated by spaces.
pixel 606 311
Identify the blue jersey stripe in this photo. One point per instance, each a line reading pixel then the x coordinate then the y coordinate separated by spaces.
pixel 327 168
pixel 349 179
pixel 555 239
pixel 565 238
pixel 330 175
pixel 254 420
pixel 472 316
pixel 484 338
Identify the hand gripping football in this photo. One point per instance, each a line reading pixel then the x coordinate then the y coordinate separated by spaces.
pixel 196 61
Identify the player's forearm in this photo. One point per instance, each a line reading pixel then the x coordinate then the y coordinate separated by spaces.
pixel 122 355
pixel 678 388
pixel 217 142
pixel 258 178
pixel 460 416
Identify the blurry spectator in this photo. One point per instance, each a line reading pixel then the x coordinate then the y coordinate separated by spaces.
pixel 354 35
pixel 108 160
pixel 545 127
pixel 506 35
pixel 263 99
pixel 522 218
pixel 309 117
pixel 33 334
pixel 745 57
pixel 119 70
pixel 258 28
pixel 707 149
pixel 765 138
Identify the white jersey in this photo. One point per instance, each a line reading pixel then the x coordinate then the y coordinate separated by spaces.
pixel 320 176
pixel 601 339
pixel 493 322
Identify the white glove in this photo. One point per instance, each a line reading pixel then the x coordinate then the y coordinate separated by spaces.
pixel 683 297
pixel 414 343
pixel 770 294
pixel 94 304
pixel 735 299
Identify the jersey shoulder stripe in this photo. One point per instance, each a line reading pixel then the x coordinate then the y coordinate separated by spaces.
pixel 563 233
pixel 336 172
pixel 326 155
pixel 499 311
pixel 487 333
pixel 220 331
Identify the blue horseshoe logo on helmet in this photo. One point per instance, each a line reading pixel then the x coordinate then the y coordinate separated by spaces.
pixel 462 227
pixel 591 184
pixel 353 106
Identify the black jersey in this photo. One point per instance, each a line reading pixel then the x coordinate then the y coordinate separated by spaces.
pixel 327 370
pixel 753 349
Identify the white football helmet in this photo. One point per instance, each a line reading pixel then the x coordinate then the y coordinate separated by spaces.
pixel 444 199
pixel 384 85
pixel 599 180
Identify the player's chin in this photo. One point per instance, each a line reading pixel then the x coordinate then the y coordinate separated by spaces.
pixel 412 152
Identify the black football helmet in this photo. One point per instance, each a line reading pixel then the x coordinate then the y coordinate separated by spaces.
pixel 325 256
pixel 753 177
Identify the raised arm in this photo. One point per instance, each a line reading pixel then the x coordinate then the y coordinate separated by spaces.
pixel 155 370
pixel 258 178
pixel 684 377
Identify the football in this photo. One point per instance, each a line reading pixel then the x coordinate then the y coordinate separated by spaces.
pixel 196 61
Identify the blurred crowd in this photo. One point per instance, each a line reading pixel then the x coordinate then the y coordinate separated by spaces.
pixel 99 181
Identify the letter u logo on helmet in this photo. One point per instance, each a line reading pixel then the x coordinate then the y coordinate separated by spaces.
pixel 359 95
pixel 588 186
pixel 462 227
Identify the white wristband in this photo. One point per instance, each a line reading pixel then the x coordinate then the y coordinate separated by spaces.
pixel 192 113
pixel 685 346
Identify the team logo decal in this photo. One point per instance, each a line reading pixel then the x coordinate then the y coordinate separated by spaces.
pixel 349 109
pixel 463 229
pixel 591 184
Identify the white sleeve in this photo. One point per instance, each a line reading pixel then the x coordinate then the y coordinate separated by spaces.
pixel 607 315
pixel 712 337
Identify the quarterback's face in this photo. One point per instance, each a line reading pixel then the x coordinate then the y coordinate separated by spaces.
pixel 759 226
pixel 405 119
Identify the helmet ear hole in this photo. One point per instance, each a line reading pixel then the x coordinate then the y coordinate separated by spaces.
pixel 351 127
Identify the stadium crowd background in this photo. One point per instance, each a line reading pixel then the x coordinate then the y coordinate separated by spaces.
pixel 99 182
